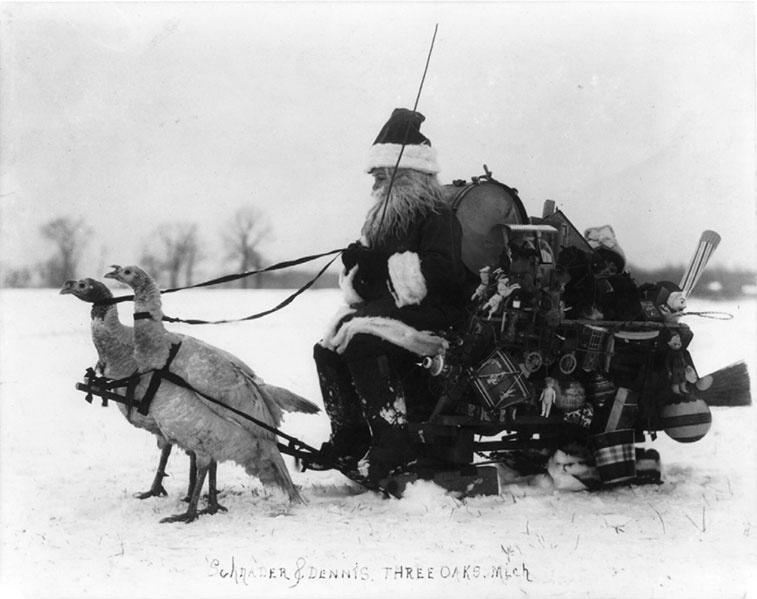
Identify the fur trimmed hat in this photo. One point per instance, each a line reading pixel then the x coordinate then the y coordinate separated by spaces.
pixel 403 128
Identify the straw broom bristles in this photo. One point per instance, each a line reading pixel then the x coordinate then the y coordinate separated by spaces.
pixel 730 387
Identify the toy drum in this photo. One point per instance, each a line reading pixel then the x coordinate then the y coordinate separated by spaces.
pixel 615 456
pixel 501 382
pixel 591 346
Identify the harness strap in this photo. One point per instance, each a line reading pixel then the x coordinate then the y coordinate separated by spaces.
pixel 155 380
pixel 131 387
pixel 295 447
pixel 142 316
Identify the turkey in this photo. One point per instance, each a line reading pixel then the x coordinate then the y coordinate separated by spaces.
pixel 114 343
pixel 192 421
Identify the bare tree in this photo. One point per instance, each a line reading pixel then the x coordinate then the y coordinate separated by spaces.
pixel 17 277
pixel 173 250
pixel 69 236
pixel 242 238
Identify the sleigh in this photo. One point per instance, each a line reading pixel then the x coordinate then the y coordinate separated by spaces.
pixel 537 379
pixel 530 378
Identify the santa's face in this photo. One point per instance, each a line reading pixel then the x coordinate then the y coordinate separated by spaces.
pixel 676 301
pixel 381 178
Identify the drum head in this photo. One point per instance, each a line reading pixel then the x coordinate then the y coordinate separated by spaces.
pixel 482 210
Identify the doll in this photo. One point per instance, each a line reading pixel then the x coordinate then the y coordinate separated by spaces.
pixel 548 395
pixel 504 290
pixel 680 368
pixel 480 294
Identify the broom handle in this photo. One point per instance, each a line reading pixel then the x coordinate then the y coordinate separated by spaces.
pixel 616 411
pixel 708 242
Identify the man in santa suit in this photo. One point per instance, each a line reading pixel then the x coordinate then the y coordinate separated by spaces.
pixel 403 282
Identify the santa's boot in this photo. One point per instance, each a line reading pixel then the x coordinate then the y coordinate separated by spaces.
pixel 383 396
pixel 350 435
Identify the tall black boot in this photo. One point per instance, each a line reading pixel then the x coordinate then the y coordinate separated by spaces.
pixel 350 435
pixel 384 401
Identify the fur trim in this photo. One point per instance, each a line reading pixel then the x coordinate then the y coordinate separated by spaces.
pixel 419 157
pixel 351 297
pixel 422 343
pixel 333 326
pixel 406 277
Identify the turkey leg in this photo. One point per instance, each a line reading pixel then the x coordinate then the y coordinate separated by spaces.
pixel 192 476
pixel 213 505
pixel 191 513
pixel 156 489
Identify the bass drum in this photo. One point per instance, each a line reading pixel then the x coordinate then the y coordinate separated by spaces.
pixel 483 207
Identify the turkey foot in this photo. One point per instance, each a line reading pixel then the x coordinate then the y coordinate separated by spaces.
pixel 213 505
pixel 191 513
pixel 157 489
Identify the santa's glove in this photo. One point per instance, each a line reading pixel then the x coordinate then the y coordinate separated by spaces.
pixel 350 255
pixel 372 264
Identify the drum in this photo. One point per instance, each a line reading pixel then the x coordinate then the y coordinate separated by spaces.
pixel 483 208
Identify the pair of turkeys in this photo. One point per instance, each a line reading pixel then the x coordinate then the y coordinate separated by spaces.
pixel 178 415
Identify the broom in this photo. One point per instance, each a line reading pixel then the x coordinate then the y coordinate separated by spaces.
pixel 730 387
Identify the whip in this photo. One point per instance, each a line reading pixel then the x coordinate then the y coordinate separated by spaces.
pixel 407 130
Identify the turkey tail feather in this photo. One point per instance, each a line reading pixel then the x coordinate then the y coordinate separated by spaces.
pixel 270 468
pixel 290 402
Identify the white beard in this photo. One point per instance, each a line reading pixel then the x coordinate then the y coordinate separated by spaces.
pixel 411 197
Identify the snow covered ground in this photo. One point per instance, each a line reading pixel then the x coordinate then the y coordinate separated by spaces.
pixel 71 528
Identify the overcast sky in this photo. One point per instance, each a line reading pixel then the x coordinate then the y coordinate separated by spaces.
pixel 640 115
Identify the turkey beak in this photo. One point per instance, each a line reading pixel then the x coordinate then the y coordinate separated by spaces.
pixel 114 274
pixel 68 287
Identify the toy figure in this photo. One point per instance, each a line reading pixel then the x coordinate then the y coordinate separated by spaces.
pixel 669 299
pixel 548 396
pixel 602 240
pixel 680 368
pixel 674 305
pixel 504 290
pixel 480 294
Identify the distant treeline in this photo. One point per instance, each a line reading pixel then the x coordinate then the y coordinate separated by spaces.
pixel 716 282
pixel 173 251
pixel 287 279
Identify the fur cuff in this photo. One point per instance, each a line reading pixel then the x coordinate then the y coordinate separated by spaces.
pixel 406 277
pixel 351 297
pixel 421 343
pixel 333 326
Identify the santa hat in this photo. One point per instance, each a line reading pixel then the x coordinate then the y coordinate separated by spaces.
pixel 403 128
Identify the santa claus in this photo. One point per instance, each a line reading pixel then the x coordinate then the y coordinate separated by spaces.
pixel 403 282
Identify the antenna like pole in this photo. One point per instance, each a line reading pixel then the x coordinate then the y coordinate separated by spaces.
pixel 407 129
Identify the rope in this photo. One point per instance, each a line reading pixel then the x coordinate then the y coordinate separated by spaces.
pixel 233 277
pixel 279 306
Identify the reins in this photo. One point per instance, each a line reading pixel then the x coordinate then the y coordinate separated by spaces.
pixel 234 277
